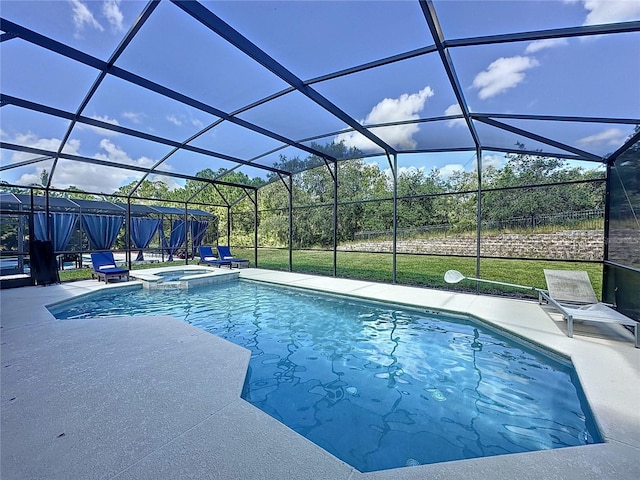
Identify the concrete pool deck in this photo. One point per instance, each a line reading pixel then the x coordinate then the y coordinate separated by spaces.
pixel 154 398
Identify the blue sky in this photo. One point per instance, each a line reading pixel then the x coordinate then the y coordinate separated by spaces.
pixel 594 76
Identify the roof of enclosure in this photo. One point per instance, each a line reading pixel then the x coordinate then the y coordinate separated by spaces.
pixel 102 94
pixel 22 202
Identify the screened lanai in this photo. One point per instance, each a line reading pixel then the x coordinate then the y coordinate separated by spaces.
pixel 76 226
pixel 332 136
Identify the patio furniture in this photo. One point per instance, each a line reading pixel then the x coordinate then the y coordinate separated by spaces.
pixel 104 267
pixel 208 258
pixel 570 291
pixel 224 252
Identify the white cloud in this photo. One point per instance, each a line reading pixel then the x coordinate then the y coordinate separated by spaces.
pixel 72 147
pixel 356 140
pixel 83 175
pixel 496 161
pixel 502 74
pixel 87 176
pixel 34 178
pixel 97 178
pixel 134 117
pixel 51 144
pixel 179 120
pixel 116 154
pixel 611 136
pixel 105 119
pixel 409 171
pixel 83 17
pixel 450 169
pixel 31 140
pixel 111 10
pixel 389 177
pixel 454 110
pixel 98 130
pixel 175 120
pixel 402 171
pixel 399 136
pixel 547 43
pixel 405 107
pixel 611 11
pixel 170 182
pixel 445 172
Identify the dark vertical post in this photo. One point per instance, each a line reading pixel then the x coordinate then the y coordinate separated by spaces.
pixel 80 236
pixel 127 232
pixel 161 236
pixel 394 240
pixel 255 228
pixel 32 234
pixel 479 214
pixel 335 218
pixel 46 214
pixel 607 214
pixel 229 225
pixel 186 234
pixel 20 238
pixel 290 222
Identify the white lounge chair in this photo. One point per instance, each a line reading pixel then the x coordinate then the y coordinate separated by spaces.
pixel 570 291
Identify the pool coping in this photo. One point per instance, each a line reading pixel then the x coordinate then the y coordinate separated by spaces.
pixel 207 276
pixel 604 358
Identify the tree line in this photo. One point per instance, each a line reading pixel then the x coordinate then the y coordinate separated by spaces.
pixel 526 185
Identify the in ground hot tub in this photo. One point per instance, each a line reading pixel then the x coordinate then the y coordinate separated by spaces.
pixel 183 276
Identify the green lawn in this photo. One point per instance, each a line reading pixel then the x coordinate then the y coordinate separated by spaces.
pixel 419 270
pixel 85 273
pixel 422 270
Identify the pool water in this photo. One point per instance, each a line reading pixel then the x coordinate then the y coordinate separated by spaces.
pixel 175 275
pixel 378 386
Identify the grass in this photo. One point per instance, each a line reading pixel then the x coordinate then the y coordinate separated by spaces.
pixel 85 273
pixel 418 270
pixel 423 270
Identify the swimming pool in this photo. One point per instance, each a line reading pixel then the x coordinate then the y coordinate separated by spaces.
pixel 376 385
pixel 173 275
pixel 179 277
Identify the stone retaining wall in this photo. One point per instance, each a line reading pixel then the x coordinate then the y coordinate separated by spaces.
pixel 565 245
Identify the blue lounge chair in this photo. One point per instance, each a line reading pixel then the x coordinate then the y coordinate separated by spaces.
pixel 224 252
pixel 208 258
pixel 104 266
